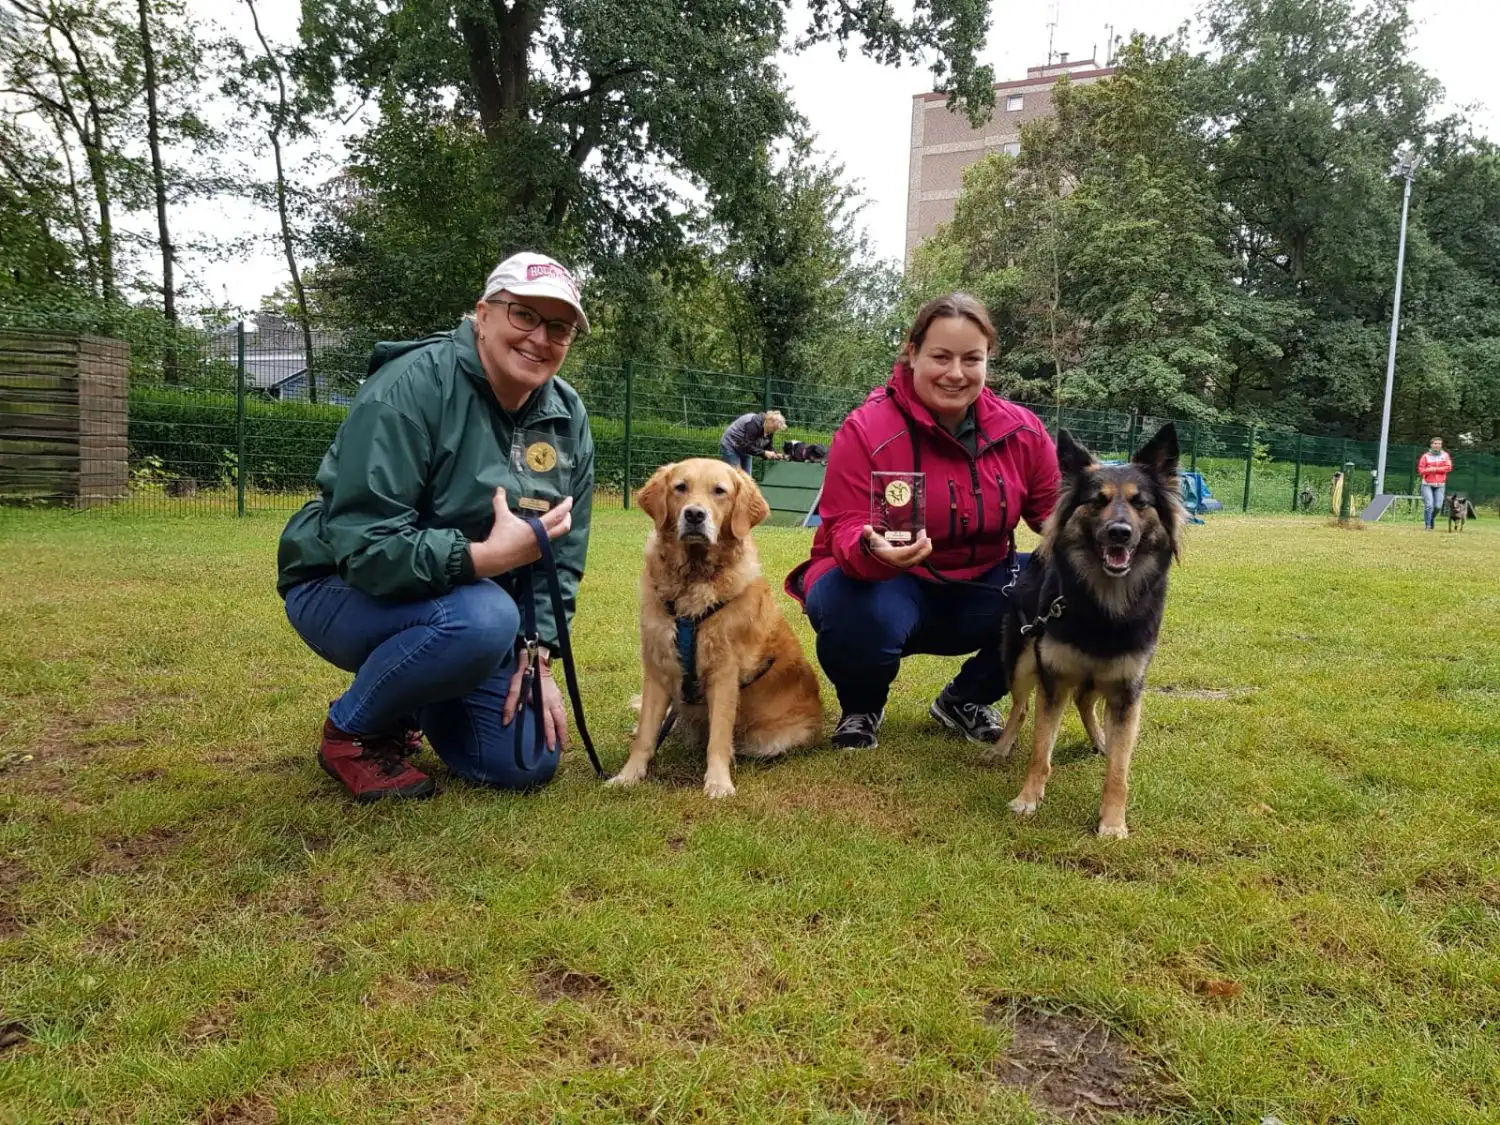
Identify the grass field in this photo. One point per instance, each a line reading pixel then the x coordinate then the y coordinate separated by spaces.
pixel 1305 922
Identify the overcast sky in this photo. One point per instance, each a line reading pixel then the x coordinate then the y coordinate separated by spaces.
pixel 862 111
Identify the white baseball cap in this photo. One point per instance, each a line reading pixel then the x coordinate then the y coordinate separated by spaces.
pixel 536 275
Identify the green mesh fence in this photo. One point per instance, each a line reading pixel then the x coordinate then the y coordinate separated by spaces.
pixel 237 419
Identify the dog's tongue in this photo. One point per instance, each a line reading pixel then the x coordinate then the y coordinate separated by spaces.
pixel 1117 556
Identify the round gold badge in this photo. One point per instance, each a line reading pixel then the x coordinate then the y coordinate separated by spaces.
pixel 541 457
pixel 898 494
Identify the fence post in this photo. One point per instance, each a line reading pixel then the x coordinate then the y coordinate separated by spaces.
pixel 1193 460
pixel 629 410
pixel 765 392
pixel 239 419
pixel 1249 464
pixel 1346 497
pixel 1297 473
pixel 1135 423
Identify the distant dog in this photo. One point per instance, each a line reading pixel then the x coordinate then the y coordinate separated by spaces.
pixel 805 451
pixel 1088 609
pixel 1458 511
pixel 715 648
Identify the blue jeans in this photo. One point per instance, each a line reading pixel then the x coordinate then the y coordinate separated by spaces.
pixel 1432 501
pixel 443 665
pixel 865 628
pixel 734 456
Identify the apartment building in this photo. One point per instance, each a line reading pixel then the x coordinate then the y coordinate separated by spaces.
pixel 943 143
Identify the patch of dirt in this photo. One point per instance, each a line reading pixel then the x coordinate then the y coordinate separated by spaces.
pixel 212 1026
pixel 1125 869
pixel 13 1035
pixel 555 982
pixel 1201 693
pixel 862 804
pixel 49 763
pixel 254 1110
pixel 401 991
pixel 125 855
pixel 1073 1069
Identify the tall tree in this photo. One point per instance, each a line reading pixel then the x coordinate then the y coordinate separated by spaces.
pixel 571 125
pixel 62 61
pixel 285 116
pixel 159 186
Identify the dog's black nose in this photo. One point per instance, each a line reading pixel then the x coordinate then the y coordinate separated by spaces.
pixel 694 514
pixel 1119 532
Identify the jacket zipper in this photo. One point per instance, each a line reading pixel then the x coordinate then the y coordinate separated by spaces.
pixel 979 511
pixel 1004 503
pixel 952 512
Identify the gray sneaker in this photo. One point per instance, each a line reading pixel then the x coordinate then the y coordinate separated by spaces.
pixel 857 730
pixel 977 722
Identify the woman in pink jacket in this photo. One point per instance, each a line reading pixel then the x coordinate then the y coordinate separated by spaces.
pixel 987 465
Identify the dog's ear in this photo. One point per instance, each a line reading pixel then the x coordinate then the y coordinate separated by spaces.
pixel 1072 458
pixel 1160 453
pixel 652 497
pixel 750 507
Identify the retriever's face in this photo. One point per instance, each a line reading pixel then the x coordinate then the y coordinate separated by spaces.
pixel 703 502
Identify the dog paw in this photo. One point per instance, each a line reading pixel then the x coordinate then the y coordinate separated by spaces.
pixel 625 779
pixel 1113 831
pixel 1024 805
pixel 714 790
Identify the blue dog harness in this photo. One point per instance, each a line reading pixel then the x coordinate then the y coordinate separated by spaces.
pixel 687 649
pixel 687 660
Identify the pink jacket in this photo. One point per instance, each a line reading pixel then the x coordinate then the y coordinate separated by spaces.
pixel 1434 469
pixel 973 504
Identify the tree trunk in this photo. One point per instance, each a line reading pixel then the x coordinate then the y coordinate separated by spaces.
pixel 91 135
pixel 85 237
pixel 278 120
pixel 159 180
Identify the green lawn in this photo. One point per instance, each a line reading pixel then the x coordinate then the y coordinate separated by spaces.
pixel 1305 922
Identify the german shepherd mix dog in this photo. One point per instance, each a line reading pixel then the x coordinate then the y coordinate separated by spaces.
pixel 1458 511
pixel 1088 609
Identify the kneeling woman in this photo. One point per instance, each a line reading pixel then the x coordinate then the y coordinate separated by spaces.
pixel 987 464
pixel 406 568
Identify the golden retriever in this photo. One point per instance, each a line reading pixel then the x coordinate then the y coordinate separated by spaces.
pixel 704 603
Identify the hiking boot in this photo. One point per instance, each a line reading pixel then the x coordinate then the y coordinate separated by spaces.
pixel 372 769
pixel 975 721
pixel 857 730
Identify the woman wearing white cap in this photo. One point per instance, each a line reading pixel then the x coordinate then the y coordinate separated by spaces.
pixel 406 567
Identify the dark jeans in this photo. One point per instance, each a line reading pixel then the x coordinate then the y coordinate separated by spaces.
pixel 734 456
pixel 865 628
pixel 443 665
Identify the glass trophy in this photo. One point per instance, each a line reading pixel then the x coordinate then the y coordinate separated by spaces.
pixel 543 465
pixel 898 506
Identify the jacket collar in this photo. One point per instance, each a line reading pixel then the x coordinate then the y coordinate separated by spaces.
pixel 993 416
pixel 544 404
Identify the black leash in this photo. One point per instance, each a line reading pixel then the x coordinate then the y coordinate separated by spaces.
pixel 531 682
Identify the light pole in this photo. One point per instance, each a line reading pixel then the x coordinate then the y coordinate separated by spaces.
pixel 1407 163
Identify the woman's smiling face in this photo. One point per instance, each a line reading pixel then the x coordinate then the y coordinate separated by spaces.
pixel 949 367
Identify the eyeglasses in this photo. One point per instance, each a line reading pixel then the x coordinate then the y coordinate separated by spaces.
pixel 525 318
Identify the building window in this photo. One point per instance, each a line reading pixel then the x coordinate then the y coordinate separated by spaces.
pixel 1011 148
pixel 1013 102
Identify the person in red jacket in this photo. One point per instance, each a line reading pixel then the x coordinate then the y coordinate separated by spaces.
pixel 988 464
pixel 1433 467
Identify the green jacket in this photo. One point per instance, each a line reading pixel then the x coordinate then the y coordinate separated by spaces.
pixel 411 476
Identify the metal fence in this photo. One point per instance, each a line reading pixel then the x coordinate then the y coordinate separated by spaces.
pixel 238 419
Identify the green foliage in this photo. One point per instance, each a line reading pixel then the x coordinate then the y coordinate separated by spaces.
pixel 1214 235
